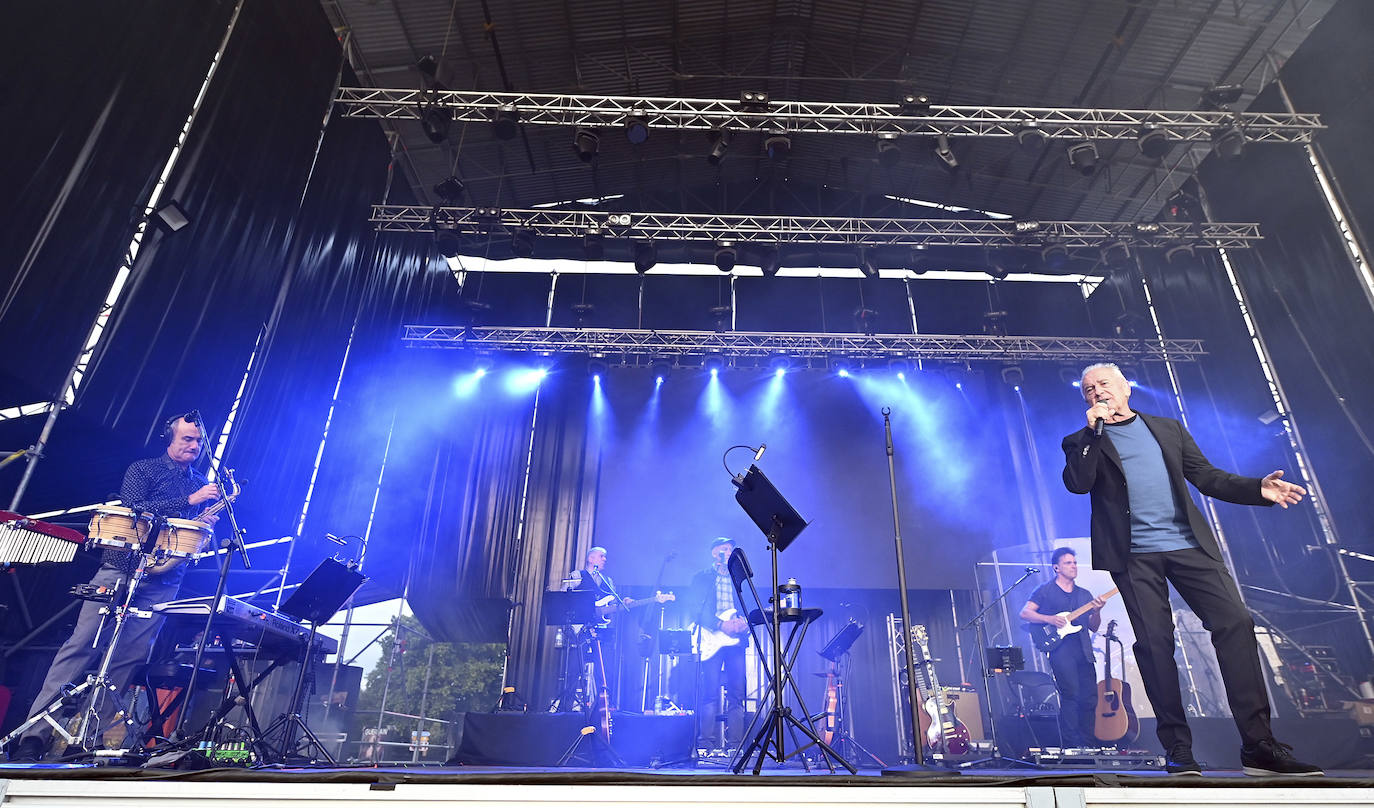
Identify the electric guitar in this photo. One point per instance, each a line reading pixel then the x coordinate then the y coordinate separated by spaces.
pixel 607 605
pixel 946 732
pixel 1047 638
pixel 708 640
pixel 1115 720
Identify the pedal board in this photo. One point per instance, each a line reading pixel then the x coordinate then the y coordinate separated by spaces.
pixel 1096 758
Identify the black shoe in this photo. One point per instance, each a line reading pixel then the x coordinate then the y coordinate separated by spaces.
pixel 1181 761
pixel 28 750
pixel 1269 757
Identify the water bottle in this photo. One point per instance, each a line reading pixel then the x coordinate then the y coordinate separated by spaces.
pixel 558 638
pixel 789 598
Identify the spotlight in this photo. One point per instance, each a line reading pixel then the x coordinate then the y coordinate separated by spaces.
pixel 645 256
pixel 1221 96
pixel 1014 376
pixel 1153 141
pixel 889 153
pixel 1023 228
pixel 596 367
pixel 522 243
pixel 594 245
pixel 661 369
pixel 449 190
pixel 842 365
pixel 1179 253
pixel 171 217
pixel 868 263
pixel 618 220
pixel 914 103
pixel 1083 157
pixel 899 365
pixel 428 65
pixel 1146 229
pixel 726 255
pixel 505 122
pixel 483 363
pixel 1030 137
pixel 768 261
pixel 779 363
pixel 720 143
pixel 945 153
pixel 721 316
pixel 582 311
pixel 1054 256
pixel 487 214
pixel 778 146
pixel 435 122
pixel 585 144
pixel 447 242
pixel 754 100
pixel 1228 142
pixel 1116 253
pixel 998 270
pixel 636 126
pixel 714 363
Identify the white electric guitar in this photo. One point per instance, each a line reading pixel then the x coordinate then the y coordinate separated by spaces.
pixel 708 640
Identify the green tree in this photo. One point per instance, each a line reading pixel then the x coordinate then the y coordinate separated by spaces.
pixel 461 677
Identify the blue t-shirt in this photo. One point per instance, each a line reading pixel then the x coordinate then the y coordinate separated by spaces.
pixel 1158 523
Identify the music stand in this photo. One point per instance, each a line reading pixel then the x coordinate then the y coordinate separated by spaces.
pixel 318 598
pixel 568 608
pixel 780 524
pixel 578 607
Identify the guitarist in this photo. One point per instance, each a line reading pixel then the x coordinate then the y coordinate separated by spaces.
pixel 592 578
pixel 713 595
pixel 166 485
pixel 1075 675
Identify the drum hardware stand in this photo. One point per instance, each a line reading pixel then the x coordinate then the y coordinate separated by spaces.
pixel 781 524
pixel 97 683
pixel 319 597
pixel 989 680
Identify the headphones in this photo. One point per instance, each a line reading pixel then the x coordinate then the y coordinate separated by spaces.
pixel 169 426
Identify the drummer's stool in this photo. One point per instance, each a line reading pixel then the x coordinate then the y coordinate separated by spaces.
pixel 164 684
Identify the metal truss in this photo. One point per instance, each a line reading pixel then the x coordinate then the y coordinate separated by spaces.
pixel 631 346
pixel 825 117
pixel 810 229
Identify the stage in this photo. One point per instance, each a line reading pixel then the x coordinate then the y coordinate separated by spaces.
pixel 47 785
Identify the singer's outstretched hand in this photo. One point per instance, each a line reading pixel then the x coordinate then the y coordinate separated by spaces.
pixel 1280 491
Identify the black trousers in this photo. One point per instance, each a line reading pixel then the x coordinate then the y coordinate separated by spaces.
pixel 1075 677
pixel 1208 588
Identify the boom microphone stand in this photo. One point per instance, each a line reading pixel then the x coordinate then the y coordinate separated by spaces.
pixel 977 623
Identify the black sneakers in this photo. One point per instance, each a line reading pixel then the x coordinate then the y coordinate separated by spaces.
pixel 1181 761
pixel 1269 757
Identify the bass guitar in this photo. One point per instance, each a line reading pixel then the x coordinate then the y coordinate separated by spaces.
pixel 1047 638
pixel 1115 721
pixel 946 732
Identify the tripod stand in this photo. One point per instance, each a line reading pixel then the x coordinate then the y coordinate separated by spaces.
pixel 317 599
pixel 836 712
pixel 989 682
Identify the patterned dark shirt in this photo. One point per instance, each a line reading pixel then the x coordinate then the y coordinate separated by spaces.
pixel 159 486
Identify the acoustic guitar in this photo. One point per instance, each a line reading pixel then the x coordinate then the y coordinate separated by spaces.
pixel 1115 721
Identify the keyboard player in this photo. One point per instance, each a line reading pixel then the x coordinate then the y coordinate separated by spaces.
pixel 167 485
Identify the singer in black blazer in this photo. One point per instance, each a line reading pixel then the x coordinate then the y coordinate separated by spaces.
pixel 1093 466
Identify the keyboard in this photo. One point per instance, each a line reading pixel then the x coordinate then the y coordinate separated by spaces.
pixel 241 619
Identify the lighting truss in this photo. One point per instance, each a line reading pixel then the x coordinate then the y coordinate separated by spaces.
pixel 809 229
pixel 826 117
pixel 628 346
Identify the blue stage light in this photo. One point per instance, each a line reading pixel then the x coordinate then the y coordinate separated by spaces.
pixel 844 373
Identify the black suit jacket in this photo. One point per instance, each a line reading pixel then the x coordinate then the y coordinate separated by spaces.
pixel 1092 466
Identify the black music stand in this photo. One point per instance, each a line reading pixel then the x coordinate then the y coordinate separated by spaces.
pixel 836 651
pixel 315 601
pixel 570 608
pixel 780 524
pixel 566 608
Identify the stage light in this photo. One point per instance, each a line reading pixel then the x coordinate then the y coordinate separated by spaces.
pixel 593 245
pixel 170 217
pixel 1146 229
pixel 645 256
pixel 714 363
pixel 1026 227
pixel 1220 97
pixel 778 146
pixel 842 365
pixel 1153 141
pixel 768 261
pixel 449 190
pixel 942 150
pixel 889 152
pixel 618 220
pixel 435 122
pixel 725 256
pixel 585 144
pixel 447 242
pixel 636 126
pixel 998 270
pixel 582 311
pixel 1054 256
pixel 1083 157
pixel 913 103
pixel 779 364
pixel 505 122
pixel 754 100
pixel 483 363
pixel 1014 376
pixel 868 263
pixel 661 369
pixel 899 365
pixel 1116 253
pixel 428 65
pixel 1228 142
pixel 1030 137
pixel 720 143
pixel 522 243
pixel 1180 252
pixel 596 366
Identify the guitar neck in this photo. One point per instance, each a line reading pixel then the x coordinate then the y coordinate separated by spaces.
pixel 1087 607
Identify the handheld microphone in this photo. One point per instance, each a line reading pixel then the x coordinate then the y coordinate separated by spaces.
pixel 335 539
pixel 1097 427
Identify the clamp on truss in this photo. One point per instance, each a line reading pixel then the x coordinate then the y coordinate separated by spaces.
pixel 634 346
pixel 824 117
pixel 810 229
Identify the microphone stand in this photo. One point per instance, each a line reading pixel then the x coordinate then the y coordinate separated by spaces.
pixel 978 624
pixel 918 766
pixel 235 541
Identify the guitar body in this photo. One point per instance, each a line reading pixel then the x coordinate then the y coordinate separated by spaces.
pixel 1047 638
pixel 941 728
pixel 709 641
